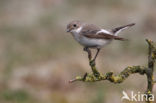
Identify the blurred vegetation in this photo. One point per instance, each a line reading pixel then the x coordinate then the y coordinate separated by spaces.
pixel 38 57
pixel 18 96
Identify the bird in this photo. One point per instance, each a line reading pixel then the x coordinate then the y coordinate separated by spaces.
pixel 92 36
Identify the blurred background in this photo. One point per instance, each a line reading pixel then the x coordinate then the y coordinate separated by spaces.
pixel 38 57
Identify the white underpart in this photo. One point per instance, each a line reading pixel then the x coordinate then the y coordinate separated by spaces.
pixel 90 42
pixel 76 34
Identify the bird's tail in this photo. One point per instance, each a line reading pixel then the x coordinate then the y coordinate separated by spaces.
pixel 115 31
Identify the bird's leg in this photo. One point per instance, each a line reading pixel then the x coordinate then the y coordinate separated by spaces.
pixel 89 52
pixel 92 63
pixel 98 50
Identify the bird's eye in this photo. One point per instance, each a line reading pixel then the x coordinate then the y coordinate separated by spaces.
pixel 74 25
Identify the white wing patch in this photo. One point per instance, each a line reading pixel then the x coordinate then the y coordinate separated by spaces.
pixel 103 31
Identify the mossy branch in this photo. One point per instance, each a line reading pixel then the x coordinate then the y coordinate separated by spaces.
pixel 150 69
pixel 110 76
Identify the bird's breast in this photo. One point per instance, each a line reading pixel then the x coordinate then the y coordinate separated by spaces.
pixel 76 36
pixel 89 42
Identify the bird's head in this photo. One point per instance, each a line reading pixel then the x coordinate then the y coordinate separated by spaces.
pixel 73 26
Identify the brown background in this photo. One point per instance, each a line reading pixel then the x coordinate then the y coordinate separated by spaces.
pixel 38 57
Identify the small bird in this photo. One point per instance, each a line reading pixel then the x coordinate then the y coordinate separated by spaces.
pixel 92 36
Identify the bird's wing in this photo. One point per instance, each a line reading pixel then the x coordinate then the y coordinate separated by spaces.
pixel 104 36
pixel 92 31
pixel 89 29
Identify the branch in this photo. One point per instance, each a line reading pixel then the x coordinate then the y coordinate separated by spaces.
pixel 148 71
pixel 110 75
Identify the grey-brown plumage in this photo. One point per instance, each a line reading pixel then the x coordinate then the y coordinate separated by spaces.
pixel 92 36
pixel 90 31
pixel 105 36
pixel 115 30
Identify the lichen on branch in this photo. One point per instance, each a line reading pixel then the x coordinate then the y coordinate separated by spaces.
pixel 110 76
